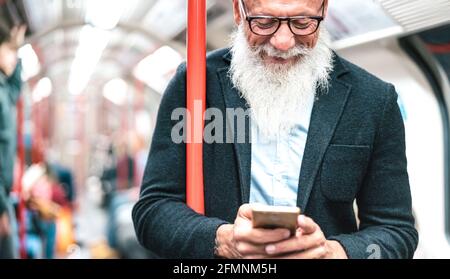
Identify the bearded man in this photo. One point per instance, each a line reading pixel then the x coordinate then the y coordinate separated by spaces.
pixel 323 134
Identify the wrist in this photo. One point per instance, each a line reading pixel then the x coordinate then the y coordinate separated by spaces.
pixel 224 242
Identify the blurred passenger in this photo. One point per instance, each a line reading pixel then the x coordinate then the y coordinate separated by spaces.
pixel 119 171
pixel 46 200
pixel 65 179
pixel 125 165
pixel 324 134
pixel 121 236
pixel 140 151
pixel 64 195
pixel 118 178
pixel 109 177
pixel 10 88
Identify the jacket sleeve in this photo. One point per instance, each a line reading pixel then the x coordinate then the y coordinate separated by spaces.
pixel 163 222
pixel 387 227
pixel 15 84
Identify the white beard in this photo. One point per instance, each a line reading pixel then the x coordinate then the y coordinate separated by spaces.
pixel 278 94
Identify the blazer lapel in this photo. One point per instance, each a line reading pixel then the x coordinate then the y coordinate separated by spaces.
pixel 243 151
pixel 325 116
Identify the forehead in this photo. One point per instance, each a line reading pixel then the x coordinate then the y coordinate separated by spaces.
pixel 283 6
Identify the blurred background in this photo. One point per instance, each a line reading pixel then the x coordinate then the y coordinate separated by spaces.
pixel 95 71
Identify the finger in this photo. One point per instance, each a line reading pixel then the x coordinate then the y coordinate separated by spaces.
pixel 246 248
pixel 22 31
pixel 295 244
pixel 306 224
pixel 314 253
pixel 247 233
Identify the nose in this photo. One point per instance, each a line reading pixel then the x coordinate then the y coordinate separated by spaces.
pixel 283 40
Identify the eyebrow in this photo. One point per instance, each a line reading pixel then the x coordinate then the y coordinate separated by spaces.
pixel 256 2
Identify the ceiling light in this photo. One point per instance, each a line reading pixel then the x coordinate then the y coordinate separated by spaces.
pixel 93 42
pixel 105 14
pixel 116 91
pixel 167 18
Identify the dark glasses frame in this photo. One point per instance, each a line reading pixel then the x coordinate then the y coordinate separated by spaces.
pixel 279 20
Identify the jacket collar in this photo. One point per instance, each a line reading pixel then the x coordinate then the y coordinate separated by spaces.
pixel 3 78
pixel 326 114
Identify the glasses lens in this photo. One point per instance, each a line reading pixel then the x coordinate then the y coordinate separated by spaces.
pixel 264 26
pixel 304 26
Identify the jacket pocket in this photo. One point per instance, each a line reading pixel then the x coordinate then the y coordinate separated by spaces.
pixel 343 170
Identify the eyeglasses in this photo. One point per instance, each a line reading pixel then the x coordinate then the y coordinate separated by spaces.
pixel 269 25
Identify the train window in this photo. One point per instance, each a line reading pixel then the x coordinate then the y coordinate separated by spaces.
pixel 438 43
pixel 424 103
pixel 431 51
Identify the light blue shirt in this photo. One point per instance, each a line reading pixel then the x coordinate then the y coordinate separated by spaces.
pixel 276 164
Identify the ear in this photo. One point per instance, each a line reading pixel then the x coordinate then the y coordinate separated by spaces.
pixel 237 12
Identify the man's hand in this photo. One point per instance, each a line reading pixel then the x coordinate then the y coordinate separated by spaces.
pixel 18 36
pixel 5 228
pixel 308 243
pixel 241 240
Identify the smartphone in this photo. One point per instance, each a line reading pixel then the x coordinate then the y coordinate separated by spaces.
pixel 273 217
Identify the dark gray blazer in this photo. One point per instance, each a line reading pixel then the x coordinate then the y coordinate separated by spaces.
pixel 355 150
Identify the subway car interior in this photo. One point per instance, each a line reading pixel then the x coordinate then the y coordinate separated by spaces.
pixel 95 71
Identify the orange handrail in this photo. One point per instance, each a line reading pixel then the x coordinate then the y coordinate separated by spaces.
pixel 196 98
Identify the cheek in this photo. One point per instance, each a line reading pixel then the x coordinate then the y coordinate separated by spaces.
pixel 13 62
pixel 3 61
pixel 255 40
pixel 9 58
pixel 308 41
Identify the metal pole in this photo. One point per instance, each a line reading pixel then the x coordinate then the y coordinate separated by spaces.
pixel 196 98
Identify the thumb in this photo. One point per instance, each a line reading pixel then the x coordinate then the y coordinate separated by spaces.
pixel 245 211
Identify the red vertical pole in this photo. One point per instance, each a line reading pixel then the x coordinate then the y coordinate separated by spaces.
pixel 196 98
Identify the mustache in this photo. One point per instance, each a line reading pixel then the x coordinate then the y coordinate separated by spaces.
pixel 269 50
